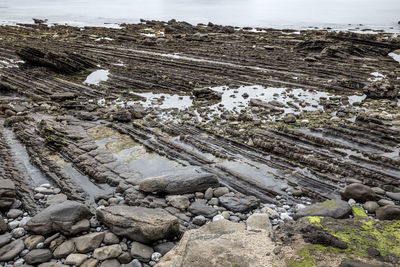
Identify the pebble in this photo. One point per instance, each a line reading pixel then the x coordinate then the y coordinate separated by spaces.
pixel 217 218
pixel 156 256
pixel 351 202
pixel 18 232
pixel 199 220
pixel 286 216
pixel 384 202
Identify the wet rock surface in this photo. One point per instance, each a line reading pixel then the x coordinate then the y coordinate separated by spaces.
pixel 204 137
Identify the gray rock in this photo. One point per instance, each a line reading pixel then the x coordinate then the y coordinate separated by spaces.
pixel 9 251
pixel 88 242
pixel 138 223
pixel 90 263
pixel 156 256
pixel 199 208
pixel 55 198
pixel 14 213
pixel 289 118
pixel 5 239
pixel 163 248
pixel 179 183
pixel 209 193
pixel 7 193
pixel 68 217
pixel 141 251
pixel 199 220
pixel 371 206
pixel 38 256
pixel 220 191
pixel 330 208
pixel 125 257
pixel 107 252
pixel 392 195
pixel 110 238
pixel 64 249
pixel 258 222
pixel 358 192
pixel 384 202
pixel 32 241
pixel 388 212
pixel 75 259
pixel 378 190
pixel 134 263
pixel 239 204
pixel 18 232
pixel 3 225
pixel 110 263
pixel 179 202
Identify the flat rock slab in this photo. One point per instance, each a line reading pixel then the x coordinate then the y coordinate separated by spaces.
pixel 179 183
pixel 138 223
pixel 61 217
pixel 330 208
pixel 199 208
pixel 220 244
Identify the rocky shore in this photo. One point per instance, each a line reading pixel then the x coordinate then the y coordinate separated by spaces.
pixel 168 144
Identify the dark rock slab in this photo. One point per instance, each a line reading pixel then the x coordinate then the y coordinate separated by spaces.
pixel 179 183
pixel 239 204
pixel 65 217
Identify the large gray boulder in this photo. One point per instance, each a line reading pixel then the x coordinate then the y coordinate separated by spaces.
pixel 331 208
pixel 179 183
pixel 358 192
pixel 220 244
pixel 68 217
pixel 7 193
pixel 138 223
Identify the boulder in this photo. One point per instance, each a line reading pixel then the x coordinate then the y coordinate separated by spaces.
pixel 90 263
pixel 68 217
pixel 7 193
pixel 9 251
pixel 5 239
pixel 330 208
pixel 220 244
pixel 38 256
pixel 139 223
pixel 179 183
pixel 388 212
pixel 239 204
pixel 358 192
